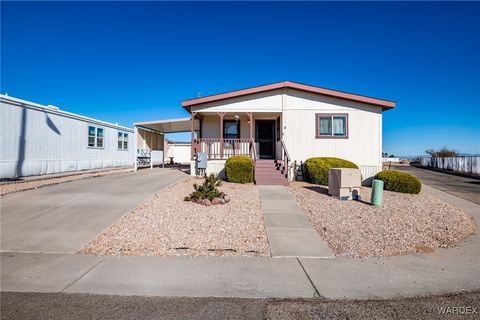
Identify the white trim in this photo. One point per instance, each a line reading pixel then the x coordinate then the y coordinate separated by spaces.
pixel 36 106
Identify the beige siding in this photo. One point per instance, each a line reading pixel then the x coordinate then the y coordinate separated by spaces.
pixel 259 102
pixel 363 145
pixel 179 152
pixel 297 109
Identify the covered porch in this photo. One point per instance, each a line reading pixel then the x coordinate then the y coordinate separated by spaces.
pixel 225 134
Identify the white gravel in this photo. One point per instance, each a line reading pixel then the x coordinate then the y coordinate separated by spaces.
pixel 404 224
pixel 40 181
pixel 167 225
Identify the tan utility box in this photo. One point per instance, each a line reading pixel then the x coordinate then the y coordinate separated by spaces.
pixel 344 183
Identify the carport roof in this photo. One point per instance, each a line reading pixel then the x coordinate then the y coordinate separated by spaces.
pixel 170 126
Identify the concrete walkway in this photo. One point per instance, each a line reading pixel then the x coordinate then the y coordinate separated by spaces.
pixel 66 216
pixel 445 270
pixel 289 232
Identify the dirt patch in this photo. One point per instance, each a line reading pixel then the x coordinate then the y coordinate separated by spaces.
pixel 404 224
pixel 168 225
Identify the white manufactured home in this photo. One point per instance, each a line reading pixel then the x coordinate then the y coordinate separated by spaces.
pixel 38 140
pixel 281 125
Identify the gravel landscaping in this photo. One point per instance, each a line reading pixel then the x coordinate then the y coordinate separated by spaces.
pixel 39 181
pixel 404 224
pixel 167 225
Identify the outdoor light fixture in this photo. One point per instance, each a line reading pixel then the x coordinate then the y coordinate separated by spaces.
pixel 237 117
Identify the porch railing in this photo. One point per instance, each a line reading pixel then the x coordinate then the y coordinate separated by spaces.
pixel 231 147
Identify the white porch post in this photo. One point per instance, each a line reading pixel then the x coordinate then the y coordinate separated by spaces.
pixel 221 115
pixel 193 134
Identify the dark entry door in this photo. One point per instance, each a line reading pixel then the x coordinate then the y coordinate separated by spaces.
pixel 265 136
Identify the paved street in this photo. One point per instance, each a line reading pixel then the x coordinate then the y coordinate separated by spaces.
pixel 66 216
pixel 27 306
pixel 467 188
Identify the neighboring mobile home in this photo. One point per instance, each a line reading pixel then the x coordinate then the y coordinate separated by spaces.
pixel 282 124
pixel 38 140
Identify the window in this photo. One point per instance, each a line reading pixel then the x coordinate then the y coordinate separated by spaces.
pixel 331 126
pixel 122 140
pixel 95 137
pixel 231 129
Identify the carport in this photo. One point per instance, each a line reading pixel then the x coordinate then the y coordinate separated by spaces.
pixel 150 138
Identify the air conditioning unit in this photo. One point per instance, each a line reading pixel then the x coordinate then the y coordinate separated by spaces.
pixel 344 183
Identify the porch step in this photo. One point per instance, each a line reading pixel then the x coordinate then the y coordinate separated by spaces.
pixel 271 181
pixel 270 172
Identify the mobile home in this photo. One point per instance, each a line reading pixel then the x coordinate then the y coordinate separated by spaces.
pixel 283 124
pixel 38 140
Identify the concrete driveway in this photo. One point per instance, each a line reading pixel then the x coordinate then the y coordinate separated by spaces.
pixel 65 217
pixel 466 188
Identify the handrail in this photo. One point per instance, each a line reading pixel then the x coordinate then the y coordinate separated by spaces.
pixel 286 157
pixel 285 150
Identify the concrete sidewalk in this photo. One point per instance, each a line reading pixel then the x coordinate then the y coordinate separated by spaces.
pixel 289 232
pixel 155 276
pixel 445 270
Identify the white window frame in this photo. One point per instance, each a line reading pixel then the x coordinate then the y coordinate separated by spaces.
pixel 122 137
pixel 95 137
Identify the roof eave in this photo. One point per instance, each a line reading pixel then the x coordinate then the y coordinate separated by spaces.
pixel 384 104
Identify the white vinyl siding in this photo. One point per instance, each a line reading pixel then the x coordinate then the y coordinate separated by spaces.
pixel 38 140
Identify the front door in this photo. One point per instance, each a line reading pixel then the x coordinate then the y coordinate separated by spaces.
pixel 265 136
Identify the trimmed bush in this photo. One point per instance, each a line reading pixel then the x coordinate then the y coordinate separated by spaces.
pixel 399 181
pixel 316 169
pixel 239 169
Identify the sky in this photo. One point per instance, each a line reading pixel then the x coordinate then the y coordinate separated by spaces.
pixel 124 62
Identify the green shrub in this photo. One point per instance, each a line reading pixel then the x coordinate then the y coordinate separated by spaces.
pixel 208 190
pixel 399 181
pixel 239 169
pixel 316 169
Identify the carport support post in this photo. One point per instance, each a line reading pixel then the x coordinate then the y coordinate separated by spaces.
pixel 193 135
pixel 221 115
pixel 135 154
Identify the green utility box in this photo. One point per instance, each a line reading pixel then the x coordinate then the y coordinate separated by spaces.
pixel 377 192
